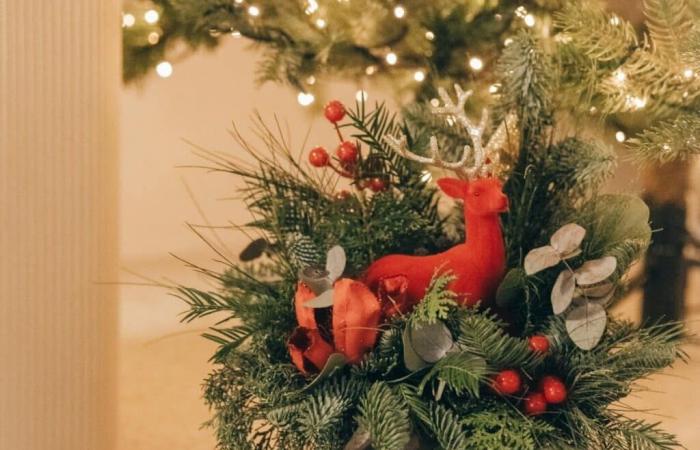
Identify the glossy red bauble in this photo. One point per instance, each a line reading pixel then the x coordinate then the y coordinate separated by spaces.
pixel 377 184
pixel 318 157
pixel 334 111
pixel 507 382
pixel 553 389
pixel 539 343
pixel 347 152
pixel 534 403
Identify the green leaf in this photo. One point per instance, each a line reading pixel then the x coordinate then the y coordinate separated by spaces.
pixel 464 372
pixel 384 415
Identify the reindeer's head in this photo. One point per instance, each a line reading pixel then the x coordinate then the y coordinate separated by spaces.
pixel 475 183
pixel 481 196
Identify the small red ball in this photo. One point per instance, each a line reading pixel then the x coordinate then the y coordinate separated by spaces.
pixel 347 152
pixel 553 389
pixel 534 403
pixel 377 184
pixel 507 382
pixel 343 195
pixel 318 157
pixel 539 343
pixel 334 111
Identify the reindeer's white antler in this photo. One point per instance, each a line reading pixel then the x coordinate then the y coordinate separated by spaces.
pixel 483 157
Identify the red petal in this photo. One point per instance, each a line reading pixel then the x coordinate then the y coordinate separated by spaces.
pixel 393 295
pixel 308 350
pixel 305 316
pixel 356 315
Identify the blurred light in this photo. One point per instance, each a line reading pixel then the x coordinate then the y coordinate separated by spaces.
pixel 320 24
pixel 434 102
pixel 634 102
pixel 236 34
pixel 429 35
pixel 476 63
pixel 507 41
pixel 305 98
pixel 153 38
pixel 614 20
pixel 494 88
pixel 253 10
pixel 521 12
pixel 128 20
pixel 164 69
pixel 399 12
pixel 151 16
pixel 419 75
pixel 688 73
pixel 529 20
pixel 620 136
pixel 370 70
pixel 311 79
pixel 391 58
pixel 361 96
pixel 312 7
pixel 619 76
pixel 238 2
pixel 426 176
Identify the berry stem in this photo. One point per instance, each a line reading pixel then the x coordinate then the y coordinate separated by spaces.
pixel 337 130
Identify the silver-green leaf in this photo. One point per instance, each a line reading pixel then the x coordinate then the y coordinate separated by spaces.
pixel 586 325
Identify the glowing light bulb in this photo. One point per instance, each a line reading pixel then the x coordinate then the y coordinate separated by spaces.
pixel 619 77
pixel 361 96
pixel 153 38
pixel 419 75
pixel 391 58
pixel 507 41
pixel 253 11
pixel 236 34
pixel 128 20
pixel 529 20
pixel 494 88
pixel 614 20
pixel 311 7
pixel 434 102
pixel 688 73
pixel 635 103
pixel 151 16
pixel 370 70
pixel 429 35
pixel 311 79
pixel 320 24
pixel 305 98
pixel 620 136
pixel 164 69
pixel 476 63
pixel 399 12
pixel 426 176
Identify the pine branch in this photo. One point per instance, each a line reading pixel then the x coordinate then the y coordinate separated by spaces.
pixel 385 417
pixel 671 140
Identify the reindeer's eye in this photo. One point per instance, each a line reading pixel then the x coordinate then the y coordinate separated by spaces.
pixel 476 193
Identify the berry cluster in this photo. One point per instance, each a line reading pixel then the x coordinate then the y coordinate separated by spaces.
pixel 347 153
pixel 550 390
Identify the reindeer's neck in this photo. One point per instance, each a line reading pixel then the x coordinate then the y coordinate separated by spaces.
pixel 484 233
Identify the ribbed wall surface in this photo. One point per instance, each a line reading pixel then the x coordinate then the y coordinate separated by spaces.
pixel 59 80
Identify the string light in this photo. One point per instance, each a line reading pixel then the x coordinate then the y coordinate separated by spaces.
pixel 238 2
pixel 635 103
pixel 253 11
pixel 521 11
pixel 361 96
pixel 164 69
pixel 507 41
pixel 320 24
pixel 529 20
pixel 429 35
pixel 305 98
pixel 419 75
pixel 370 70
pixel 620 136
pixel 153 38
pixel 399 12
pixel 236 34
pixel 391 58
pixel 311 7
pixel 688 73
pixel 151 16
pixel 434 102
pixel 311 80
pixel 619 77
pixel 614 20
pixel 128 20
pixel 426 176
pixel 494 88
pixel 476 63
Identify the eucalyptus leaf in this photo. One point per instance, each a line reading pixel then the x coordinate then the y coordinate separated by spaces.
pixel 597 290
pixel 254 250
pixel 512 285
pixel 596 270
pixel 563 292
pixel 335 362
pixel 325 300
pixel 316 279
pixel 567 239
pixel 431 342
pixel 586 325
pixel 335 262
pixel 541 258
pixel 411 360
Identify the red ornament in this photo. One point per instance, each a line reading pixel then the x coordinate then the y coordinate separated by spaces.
pixel 377 184
pixel 534 404
pixel 478 265
pixel 334 111
pixel 539 343
pixel 347 152
pixel 318 157
pixel 507 382
pixel 553 389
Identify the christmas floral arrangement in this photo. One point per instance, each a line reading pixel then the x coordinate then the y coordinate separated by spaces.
pixel 441 282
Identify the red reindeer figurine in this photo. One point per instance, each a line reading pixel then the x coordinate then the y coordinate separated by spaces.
pixel 478 264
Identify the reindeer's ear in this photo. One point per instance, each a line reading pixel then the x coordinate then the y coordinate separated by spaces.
pixel 453 187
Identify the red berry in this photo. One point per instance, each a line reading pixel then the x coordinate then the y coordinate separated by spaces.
pixel 318 157
pixel 539 343
pixel 377 184
pixel 343 195
pixel 334 111
pixel 347 152
pixel 507 382
pixel 534 403
pixel 553 389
